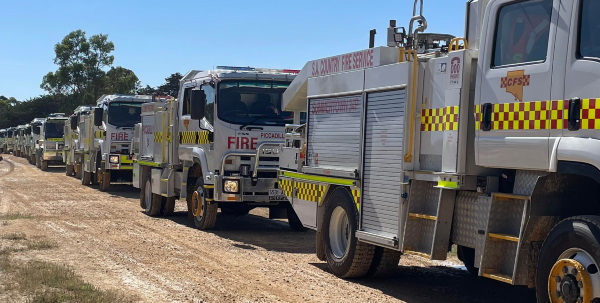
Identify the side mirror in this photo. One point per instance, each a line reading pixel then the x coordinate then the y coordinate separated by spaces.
pixel 73 122
pixel 198 103
pixel 98 112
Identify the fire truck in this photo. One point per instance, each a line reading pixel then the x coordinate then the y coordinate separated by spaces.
pixel 33 139
pixel 20 140
pixel 2 139
pixel 51 142
pixel 489 144
pixel 106 135
pixel 216 146
pixel 9 140
pixel 73 150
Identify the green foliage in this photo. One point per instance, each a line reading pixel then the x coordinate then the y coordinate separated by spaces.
pixel 171 85
pixel 120 80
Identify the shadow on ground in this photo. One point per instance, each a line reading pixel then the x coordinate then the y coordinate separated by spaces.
pixel 415 284
pixel 256 231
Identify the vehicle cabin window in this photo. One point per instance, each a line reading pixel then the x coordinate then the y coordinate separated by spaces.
pixel 209 110
pixel 187 93
pixel 522 32
pixel 589 29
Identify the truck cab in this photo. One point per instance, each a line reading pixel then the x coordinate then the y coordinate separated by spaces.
pixel 72 155
pixel 51 141
pixel 9 141
pixel 20 140
pixel 225 129
pixel 34 137
pixel 2 139
pixel 107 138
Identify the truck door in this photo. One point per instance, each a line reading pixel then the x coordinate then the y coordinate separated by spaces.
pixel 582 68
pixel 513 86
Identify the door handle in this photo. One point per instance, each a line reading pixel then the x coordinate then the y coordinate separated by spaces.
pixel 574 120
pixel 486 121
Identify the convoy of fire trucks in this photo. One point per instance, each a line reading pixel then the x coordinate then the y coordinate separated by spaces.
pixel 486 143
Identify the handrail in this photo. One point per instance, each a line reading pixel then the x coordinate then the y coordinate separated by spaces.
pixel 455 42
pixel 413 100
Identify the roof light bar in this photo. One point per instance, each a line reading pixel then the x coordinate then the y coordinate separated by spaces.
pixel 260 70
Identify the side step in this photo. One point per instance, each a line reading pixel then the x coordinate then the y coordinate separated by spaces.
pixel 429 221
pixel 503 236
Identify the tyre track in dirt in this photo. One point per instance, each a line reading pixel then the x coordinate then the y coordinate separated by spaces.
pixel 107 240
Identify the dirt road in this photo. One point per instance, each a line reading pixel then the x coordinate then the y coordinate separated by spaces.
pixel 107 240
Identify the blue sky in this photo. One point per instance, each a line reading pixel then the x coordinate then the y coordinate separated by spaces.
pixel 158 38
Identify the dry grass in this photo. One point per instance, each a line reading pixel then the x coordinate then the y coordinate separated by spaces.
pixel 14 236
pixel 14 216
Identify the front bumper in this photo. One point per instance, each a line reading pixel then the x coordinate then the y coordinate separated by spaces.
pixel 124 162
pixel 257 193
pixel 52 155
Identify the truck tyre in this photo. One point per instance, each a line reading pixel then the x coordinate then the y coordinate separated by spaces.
pixel 44 165
pixel 467 256
pixel 569 264
pixel 385 262
pixel 104 183
pixel 78 170
pixel 38 162
pixel 86 178
pixel 69 170
pixel 346 256
pixel 204 213
pixel 152 202
pixel 169 206
pixel 294 221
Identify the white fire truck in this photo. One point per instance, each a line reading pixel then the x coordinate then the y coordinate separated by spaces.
pixel 73 150
pixel 20 140
pixel 33 139
pixel 216 146
pixel 492 147
pixel 9 140
pixel 106 135
pixel 2 139
pixel 50 143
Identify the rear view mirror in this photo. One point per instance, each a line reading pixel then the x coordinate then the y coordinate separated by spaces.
pixel 198 103
pixel 73 123
pixel 98 112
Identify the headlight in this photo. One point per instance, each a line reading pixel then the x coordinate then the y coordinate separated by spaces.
pixel 113 159
pixel 231 186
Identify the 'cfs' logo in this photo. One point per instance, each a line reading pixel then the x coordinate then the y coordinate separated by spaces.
pixel 514 83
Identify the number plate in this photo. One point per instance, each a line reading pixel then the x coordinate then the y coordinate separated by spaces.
pixel 276 195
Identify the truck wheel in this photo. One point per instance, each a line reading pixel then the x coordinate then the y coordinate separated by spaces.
pixel 205 214
pixel 69 170
pixel 385 262
pixel 467 256
pixel 44 165
pixel 152 202
pixel 169 206
pixel 346 256
pixel 104 180
pixel 78 170
pixel 569 262
pixel 38 162
pixel 294 221
pixel 86 178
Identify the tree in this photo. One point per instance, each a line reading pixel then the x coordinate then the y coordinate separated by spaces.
pixel 120 80
pixel 81 76
pixel 171 86
pixel 148 90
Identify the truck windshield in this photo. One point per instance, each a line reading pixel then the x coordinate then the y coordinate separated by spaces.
pixel 54 129
pixel 9 134
pixel 252 103
pixel 124 114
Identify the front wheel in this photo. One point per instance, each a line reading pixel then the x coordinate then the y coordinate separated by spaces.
pixel 204 213
pixel 568 267
pixel 346 256
pixel 152 202
pixel 44 165
pixel 104 182
pixel 86 178
pixel 69 170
